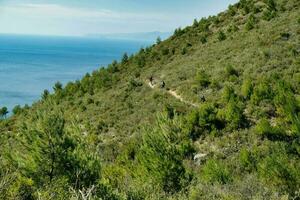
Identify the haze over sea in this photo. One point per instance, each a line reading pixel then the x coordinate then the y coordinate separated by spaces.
pixel 30 64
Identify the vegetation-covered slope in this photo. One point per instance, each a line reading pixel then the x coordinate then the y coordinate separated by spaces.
pixel 225 126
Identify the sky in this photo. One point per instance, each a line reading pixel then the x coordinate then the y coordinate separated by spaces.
pixel 85 17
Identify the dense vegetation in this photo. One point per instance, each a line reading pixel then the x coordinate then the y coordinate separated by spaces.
pixel 111 136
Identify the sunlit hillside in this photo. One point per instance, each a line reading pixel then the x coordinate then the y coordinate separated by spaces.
pixel 213 112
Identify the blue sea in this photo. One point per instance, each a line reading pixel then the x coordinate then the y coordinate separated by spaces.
pixel 30 64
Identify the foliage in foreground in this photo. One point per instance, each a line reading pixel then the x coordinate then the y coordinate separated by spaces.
pixel 240 141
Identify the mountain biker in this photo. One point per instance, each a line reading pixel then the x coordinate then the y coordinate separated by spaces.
pixel 163 84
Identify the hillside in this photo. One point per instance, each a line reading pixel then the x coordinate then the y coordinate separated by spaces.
pixel 225 125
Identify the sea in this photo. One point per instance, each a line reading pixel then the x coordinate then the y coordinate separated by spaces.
pixel 31 64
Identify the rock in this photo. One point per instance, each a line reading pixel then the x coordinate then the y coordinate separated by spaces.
pixel 199 157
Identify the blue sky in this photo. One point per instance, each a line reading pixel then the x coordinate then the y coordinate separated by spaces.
pixel 82 17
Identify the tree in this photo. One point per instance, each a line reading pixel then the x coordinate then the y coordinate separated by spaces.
pixel 57 87
pixel 53 152
pixel 195 23
pixel 3 112
pixel 125 58
pixel 158 40
pixel 45 94
pixel 17 109
pixel 163 150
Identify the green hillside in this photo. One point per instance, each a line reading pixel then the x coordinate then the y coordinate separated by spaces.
pixel 226 124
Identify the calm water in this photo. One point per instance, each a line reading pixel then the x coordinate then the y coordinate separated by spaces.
pixel 30 64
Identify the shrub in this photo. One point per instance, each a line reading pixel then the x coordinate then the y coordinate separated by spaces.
pixel 271 4
pixel 231 10
pixel 233 114
pixel 165 51
pixel 227 94
pixel 184 51
pixel 221 36
pixel 247 160
pixel 203 79
pixel 17 110
pixel 162 153
pixel 265 129
pixel 268 14
pixel 231 71
pixel 280 170
pixel 90 101
pixel 247 89
pixel 232 28
pixel 262 91
pixel 287 108
pixel 204 121
pixel 251 22
pixel 52 152
pixel 215 172
pixel 178 32
pixel 141 61
pixel 203 39
pixel 203 25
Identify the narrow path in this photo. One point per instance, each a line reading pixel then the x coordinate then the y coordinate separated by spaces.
pixel 175 95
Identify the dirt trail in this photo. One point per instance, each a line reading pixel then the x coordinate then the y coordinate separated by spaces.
pixel 175 95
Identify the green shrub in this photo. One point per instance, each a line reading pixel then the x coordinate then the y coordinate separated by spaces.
pixel 203 79
pixel 203 39
pixel 271 4
pixel 268 14
pixel 204 121
pixel 178 32
pixel 233 115
pixel 231 71
pixel 265 129
pixel 204 25
pixel 228 94
pixel 232 28
pixel 231 10
pixel 280 170
pixel 247 160
pixel 262 91
pixel 53 152
pixel 247 88
pixel 141 61
pixel 90 101
pixel 17 110
pixel 215 172
pixel 251 22
pixel 287 108
pixel 183 51
pixel 165 51
pixel 221 36
pixel 162 152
